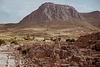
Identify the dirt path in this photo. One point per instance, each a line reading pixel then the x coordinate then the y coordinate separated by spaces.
pixel 7 58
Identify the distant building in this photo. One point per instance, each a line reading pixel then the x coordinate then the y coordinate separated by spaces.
pixel 19 38
pixel 39 38
pixel 47 40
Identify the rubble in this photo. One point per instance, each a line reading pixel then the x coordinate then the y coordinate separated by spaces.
pixel 53 56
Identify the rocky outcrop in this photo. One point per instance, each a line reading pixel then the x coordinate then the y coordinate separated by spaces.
pixel 50 12
pixel 88 40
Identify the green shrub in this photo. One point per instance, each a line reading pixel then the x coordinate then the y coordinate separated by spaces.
pixel 25 51
pixel 67 40
pixel 93 41
pixel 70 40
pixel 2 42
pixel 43 40
pixel 54 39
pixel 96 41
pixel 90 41
pixel 27 38
pixel 59 39
pixel 14 42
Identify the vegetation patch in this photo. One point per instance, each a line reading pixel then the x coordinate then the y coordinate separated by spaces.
pixel 2 41
pixel 70 40
pixel 96 41
pixel 25 51
pixel 14 42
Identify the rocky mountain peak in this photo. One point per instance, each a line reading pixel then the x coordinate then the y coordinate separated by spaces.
pixel 50 12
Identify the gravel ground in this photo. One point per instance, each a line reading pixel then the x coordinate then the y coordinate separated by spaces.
pixel 6 60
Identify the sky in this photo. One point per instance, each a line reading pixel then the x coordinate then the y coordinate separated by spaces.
pixel 12 11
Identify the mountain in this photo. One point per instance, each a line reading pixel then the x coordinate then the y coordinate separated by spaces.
pixel 93 18
pixel 51 12
pixel 50 15
pixel 51 20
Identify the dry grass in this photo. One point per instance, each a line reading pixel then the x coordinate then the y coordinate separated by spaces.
pixel 66 29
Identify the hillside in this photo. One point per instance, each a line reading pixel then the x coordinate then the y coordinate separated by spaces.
pixel 88 40
pixel 93 18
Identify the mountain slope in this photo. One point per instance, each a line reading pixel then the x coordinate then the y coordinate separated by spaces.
pixel 93 18
pixel 87 40
pixel 50 12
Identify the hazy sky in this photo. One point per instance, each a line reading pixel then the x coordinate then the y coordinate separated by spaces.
pixel 15 10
